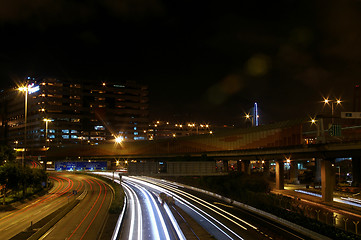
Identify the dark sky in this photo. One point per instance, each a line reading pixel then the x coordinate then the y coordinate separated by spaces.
pixel 202 60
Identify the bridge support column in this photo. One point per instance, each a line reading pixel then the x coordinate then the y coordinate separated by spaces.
pixel 327 180
pixel 318 171
pixel 246 167
pixel 239 165
pixel 280 175
pixel 356 171
pixel 294 172
pixel 266 169
pixel 225 166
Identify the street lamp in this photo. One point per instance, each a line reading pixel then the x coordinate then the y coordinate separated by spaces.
pixel 331 102
pixel 250 118
pixel 119 139
pixel 26 91
pixel 320 129
pixel 46 120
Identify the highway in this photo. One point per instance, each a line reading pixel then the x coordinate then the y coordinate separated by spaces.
pixel 219 219
pixel 84 221
pixel 17 220
pixel 146 216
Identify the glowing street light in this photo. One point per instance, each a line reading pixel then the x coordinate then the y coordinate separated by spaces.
pixel 331 102
pixel 119 139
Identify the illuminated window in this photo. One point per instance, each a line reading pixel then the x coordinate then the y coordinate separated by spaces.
pixel 74 137
pixel 65 136
pixel 73 131
pixel 99 127
pixel 139 138
pixel 65 131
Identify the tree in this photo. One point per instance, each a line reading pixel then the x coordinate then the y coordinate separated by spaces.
pixel 7 154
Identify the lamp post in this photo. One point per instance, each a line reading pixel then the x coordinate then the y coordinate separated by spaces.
pixel 45 162
pixel 251 118
pixel 26 91
pixel 331 102
pixel 320 130
pixel 46 120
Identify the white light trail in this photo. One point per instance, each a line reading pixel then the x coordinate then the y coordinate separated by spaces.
pixel 212 207
pixel 193 207
pixel 119 222
pixel 155 229
pixel 131 197
pixel 174 222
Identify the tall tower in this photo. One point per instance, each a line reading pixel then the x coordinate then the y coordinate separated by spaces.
pixel 255 114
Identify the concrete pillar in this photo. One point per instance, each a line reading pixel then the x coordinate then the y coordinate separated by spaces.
pixel 356 171
pixel 318 171
pixel 246 167
pixel 225 165
pixel 327 180
pixel 266 169
pixel 239 165
pixel 280 174
pixel 294 172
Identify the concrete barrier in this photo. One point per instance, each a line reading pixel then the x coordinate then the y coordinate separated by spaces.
pixel 57 218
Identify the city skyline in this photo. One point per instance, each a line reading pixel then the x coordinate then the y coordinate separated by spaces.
pixel 206 61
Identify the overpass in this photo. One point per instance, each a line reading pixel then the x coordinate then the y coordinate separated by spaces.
pixel 294 140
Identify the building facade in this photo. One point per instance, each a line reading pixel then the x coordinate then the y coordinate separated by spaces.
pixel 52 112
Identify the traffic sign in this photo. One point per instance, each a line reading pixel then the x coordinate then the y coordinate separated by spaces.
pixel 335 130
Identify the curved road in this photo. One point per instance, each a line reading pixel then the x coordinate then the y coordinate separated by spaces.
pixel 220 219
pixel 15 221
pixel 86 219
pixel 146 216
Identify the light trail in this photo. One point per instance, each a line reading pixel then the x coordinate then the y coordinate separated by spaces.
pixel 152 213
pixel 119 222
pixel 152 206
pixel 174 222
pixel 211 207
pixel 99 194
pixel 349 201
pixel 199 211
pixel 132 199
pixel 194 208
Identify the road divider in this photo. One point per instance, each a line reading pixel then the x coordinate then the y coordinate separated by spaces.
pixel 57 218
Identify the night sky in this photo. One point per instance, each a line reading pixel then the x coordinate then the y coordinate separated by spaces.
pixel 202 60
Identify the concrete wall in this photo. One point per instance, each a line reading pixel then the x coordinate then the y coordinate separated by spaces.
pixel 191 168
pixel 172 168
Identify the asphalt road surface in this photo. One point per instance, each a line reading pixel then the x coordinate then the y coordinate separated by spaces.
pixel 87 219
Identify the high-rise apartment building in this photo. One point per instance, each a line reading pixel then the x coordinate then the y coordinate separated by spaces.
pixel 68 112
